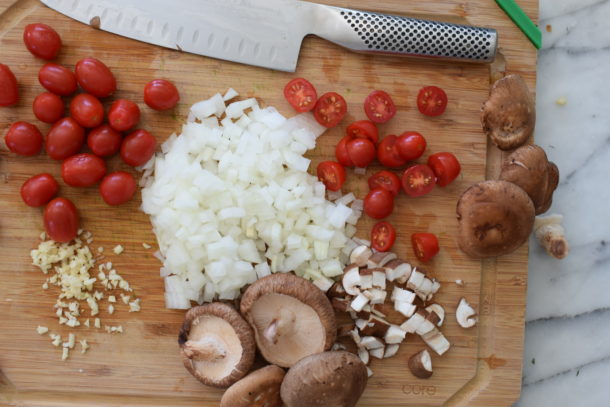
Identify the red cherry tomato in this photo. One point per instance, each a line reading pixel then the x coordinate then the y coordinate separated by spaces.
pixel 87 110
pixel 9 91
pixel 23 138
pixel 446 167
pixel 379 106
pixel 42 41
pixel 65 138
pixel 361 151
pixel 418 180
pixel 57 79
pixel 104 141
pixel 425 245
pixel 83 170
pixel 95 77
pixel 138 147
pixel 332 174
pixel 363 129
pixel 48 107
pixel 301 94
pixel 341 152
pixel 387 152
pixel 123 115
pixel 385 179
pixel 432 101
pixel 39 190
pixel 383 236
pixel 411 145
pixel 330 109
pixel 61 220
pixel 160 94
pixel 379 203
pixel 117 188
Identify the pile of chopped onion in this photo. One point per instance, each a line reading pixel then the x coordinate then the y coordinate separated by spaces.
pixel 231 201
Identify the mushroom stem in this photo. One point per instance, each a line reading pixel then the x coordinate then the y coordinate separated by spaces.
pixel 270 332
pixel 551 235
pixel 208 349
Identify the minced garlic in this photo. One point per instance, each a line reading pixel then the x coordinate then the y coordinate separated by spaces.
pixel 118 249
pixel 42 330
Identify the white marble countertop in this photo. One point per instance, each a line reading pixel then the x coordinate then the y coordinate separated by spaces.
pixel 567 344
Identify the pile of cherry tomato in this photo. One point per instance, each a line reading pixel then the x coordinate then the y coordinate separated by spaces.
pixel 68 135
pixel 362 145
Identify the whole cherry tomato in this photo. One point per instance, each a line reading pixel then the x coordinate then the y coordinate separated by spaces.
pixel 432 101
pixel 61 220
pixel 341 152
pixel 388 154
pixel 65 138
pixel 42 41
pixel 123 115
pixel 83 170
pixel 411 145
pixel 363 129
pixel 301 94
pixel 385 179
pixel 383 236
pixel 330 109
pixel 24 139
pixel 104 141
pixel 48 107
pixel 9 91
pixel 332 174
pixel 117 188
pixel 425 245
pixel 418 180
pixel 379 203
pixel 379 106
pixel 87 110
pixel 39 189
pixel 95 77
pixel 361 151
pixel 138 147
pixel 446 167
pixel 57 79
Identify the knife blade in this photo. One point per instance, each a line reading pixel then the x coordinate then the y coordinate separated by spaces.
pixel 269 33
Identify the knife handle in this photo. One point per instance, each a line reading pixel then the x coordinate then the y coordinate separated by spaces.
pixel 369 32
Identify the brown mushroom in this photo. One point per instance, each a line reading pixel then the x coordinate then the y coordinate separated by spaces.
pixel 329 379
pixel 217 344
pixel 509 115
pixel 260 388
pixel 291 318
pixel 420 364
pixel 495 218
pixel 529 168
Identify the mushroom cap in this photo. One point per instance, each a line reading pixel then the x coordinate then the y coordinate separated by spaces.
pixel 509 115
pixel 328 379
pixel 529 168
pixel 495 218
pixel 291 317
pixel 260 388
pixel 217 344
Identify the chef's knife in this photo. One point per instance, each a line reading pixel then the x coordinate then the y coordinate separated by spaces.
pixel 269 33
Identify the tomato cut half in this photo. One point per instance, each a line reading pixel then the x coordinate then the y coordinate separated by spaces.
pixel 387 180
pixel 383 236
pixel 301 94
pixel 379 106
pixel 361 151
pixel 446 167
pixel 432 101
pixel 341 152
pixel 330 109
pixel 388 154
pixel 425 245
pixel 418 180
pixel 379 203
pixel 332 174
pixel 363 129
pixel 411 145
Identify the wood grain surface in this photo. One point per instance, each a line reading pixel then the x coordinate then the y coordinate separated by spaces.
pixel 142 366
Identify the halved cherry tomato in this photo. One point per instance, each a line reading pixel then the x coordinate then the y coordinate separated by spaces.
pixel 432 101
pixel 9 91
pixel 65 138
pixel 38 190
pixel 446 167
pixel 160 94
pixel 385 179
pixel 341 152
pixel 61 220
pixel 57 79
pixel 361 151
pixel 138 147
pixel 379 106
pixel 301 94
pixel 379 203
pixel 83 170
pixel 418 180
pixel 363 129
pixel 117 188
pixel 87 110
pixel 332 174
pixel 48 107
pixel 95 77
pixel 383 236
pixel 23 138
pixel 388 154
pixel 425 245
pixel 104 141
pixel 42 41
pixel 411 145
pixel 330 109
pixel 123 115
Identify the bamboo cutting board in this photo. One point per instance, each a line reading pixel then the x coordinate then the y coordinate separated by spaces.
pixel 142 366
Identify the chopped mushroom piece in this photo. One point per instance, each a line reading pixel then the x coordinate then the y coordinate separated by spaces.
pixel 466 315
pixel 551 235
pixel 420 364
pixel 437 341
pixel 438 311
pixel 259 388
pixel 360 255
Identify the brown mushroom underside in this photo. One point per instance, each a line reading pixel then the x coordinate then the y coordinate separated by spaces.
pixel 260 388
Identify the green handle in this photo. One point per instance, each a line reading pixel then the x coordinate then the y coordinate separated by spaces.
pixel 519 17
